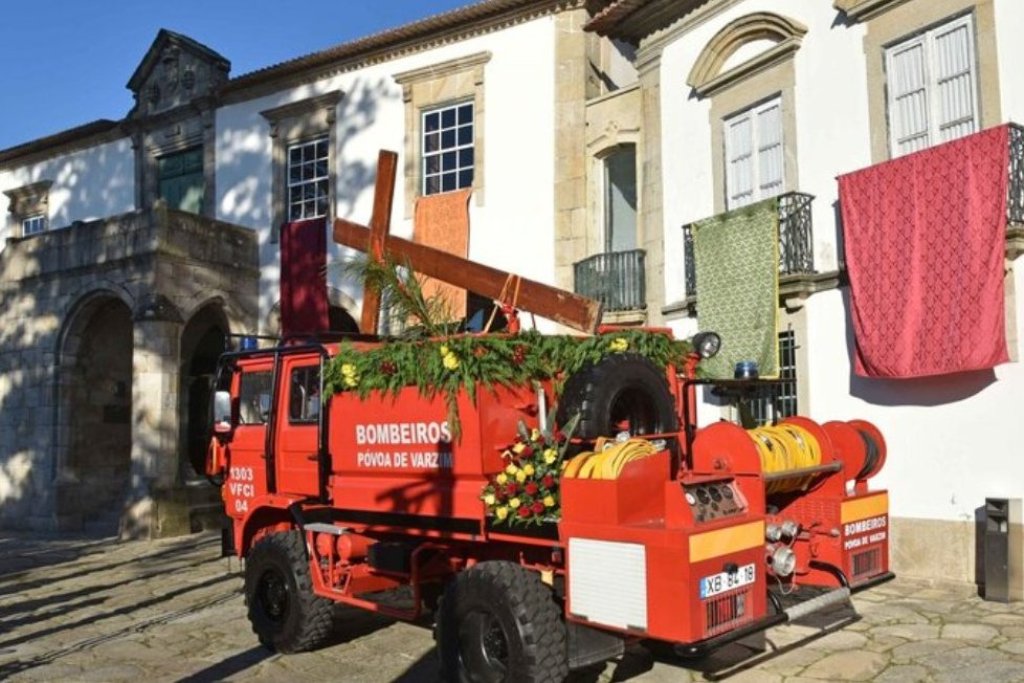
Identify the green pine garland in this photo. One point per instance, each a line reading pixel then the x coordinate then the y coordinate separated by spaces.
pixel 469 362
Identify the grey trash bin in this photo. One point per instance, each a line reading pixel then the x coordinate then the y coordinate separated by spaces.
pixel 1002 549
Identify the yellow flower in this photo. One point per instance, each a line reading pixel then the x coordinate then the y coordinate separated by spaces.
pixel 550 456
pixel 501 478
pixel 489 499
pixel 501 512
pixel 351 381
pixel 618 345
pixel 511 468
pixel 535 435
pixel 450 361
pixel 549 501
pixel 518 448
pixel 521 476
pixel 348 369
pixel 514 503
pixel 529 470
pixel 443 349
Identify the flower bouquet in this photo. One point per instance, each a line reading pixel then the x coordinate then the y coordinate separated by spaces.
pixel 526 492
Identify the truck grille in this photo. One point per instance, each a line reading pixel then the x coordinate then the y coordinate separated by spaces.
pixel 867 562
pixel 724 612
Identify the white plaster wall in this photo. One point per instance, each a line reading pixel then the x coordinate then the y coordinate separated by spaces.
pixel 87 184
pixel 619 66
pixel 513 230
pixel 1009 21
pixel 952 440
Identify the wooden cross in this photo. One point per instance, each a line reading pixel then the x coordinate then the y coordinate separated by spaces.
pixel 567 308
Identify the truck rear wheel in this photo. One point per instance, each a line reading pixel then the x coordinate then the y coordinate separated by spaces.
pixel 285 613
pixel 498 622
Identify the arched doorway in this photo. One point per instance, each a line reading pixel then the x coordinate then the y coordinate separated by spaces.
pixel 95 389
pixel 202 343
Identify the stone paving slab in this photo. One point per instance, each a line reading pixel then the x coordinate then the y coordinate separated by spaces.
pixel 88 609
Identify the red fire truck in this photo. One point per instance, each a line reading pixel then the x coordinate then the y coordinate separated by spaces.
pixel 371 499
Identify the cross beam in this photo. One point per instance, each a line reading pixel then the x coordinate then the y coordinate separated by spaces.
pixel 567 308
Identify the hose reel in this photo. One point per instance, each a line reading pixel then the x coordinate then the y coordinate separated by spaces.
pixel 786 448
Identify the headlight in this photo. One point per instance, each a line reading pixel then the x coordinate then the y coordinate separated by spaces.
pixel 706 344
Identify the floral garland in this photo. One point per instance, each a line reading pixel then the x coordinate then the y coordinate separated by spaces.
pixel 468 362
pixel 527 491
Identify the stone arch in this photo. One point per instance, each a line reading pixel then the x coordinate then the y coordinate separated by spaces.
pixel 94 399
pixel 344 313
pixel 709 73
pixel 203 339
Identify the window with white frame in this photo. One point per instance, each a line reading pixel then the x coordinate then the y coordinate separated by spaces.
pixel 308 179
pixel 33 225
pixel 932 87
pixel 448 155
pixel 754 154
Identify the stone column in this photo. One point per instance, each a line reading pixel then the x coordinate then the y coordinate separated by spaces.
pixel 651 217
pixel 570 144
pixel 154 507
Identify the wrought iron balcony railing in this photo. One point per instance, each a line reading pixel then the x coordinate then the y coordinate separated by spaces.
pixel 796 239
pixel 616 279
pixel 1015 200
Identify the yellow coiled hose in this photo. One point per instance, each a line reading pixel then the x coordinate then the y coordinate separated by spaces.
pixel 607 462
pixel 783 448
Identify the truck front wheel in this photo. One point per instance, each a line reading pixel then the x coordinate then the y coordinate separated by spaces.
pixel 498 622
pixel 285 613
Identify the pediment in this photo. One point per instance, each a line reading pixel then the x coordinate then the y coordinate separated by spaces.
pixel 175 71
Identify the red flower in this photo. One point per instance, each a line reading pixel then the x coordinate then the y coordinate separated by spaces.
pixel 559 437
pixel 538 507
pixel 499 493
pixel 511 490
pixel 548 481
pixel 530 488
pixel 525 511
pixel 527 452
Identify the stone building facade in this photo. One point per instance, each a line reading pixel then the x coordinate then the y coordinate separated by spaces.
pixel 131 249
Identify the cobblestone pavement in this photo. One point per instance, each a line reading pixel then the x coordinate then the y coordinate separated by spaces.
pixel 86 609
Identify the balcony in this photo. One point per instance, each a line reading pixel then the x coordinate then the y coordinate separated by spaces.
pixel 616 279
pixel 796 241
pixel 1015 200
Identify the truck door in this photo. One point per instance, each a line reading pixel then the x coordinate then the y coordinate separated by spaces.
pixel 247 471
pixel 298 426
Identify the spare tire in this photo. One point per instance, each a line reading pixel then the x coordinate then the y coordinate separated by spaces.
pixel 621 392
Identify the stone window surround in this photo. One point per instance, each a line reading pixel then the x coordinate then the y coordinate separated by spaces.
pixel 761 86
pixel 764 76
pixel 707 76
pixel 449 82
pixel 26 202
pixel 169 134
pixel 296 122
pixel 894 21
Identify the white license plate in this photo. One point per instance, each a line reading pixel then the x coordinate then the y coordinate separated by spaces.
pixel 720 583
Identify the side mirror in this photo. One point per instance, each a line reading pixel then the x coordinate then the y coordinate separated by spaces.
pixel 221 412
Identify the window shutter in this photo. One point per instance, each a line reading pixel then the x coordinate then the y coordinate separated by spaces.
pixel 770 162
pixel 954 69
pixel 908 98
pixel 739 157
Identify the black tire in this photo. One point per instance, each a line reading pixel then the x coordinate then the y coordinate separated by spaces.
pixel 284 612
pixel 498 623
pixel 621 392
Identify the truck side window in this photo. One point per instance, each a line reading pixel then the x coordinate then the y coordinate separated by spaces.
pixel 254 398
pixel 304 395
